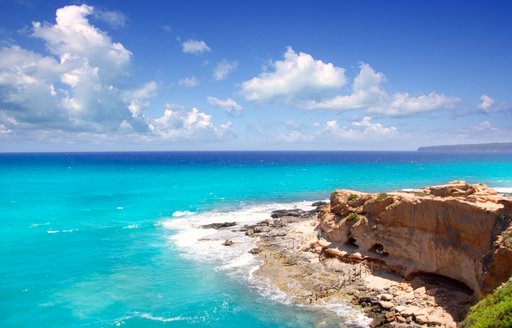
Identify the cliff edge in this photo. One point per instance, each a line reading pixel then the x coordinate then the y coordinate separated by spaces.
pixel 458 230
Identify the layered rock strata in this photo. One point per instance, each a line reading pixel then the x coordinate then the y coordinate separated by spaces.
pixel 458 230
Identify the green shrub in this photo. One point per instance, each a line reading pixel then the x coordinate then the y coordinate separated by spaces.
pixel 495 310
pixel 352 197
pixel 382 196
pixel 353 217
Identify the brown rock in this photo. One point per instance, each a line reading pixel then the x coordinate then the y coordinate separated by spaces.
pixel 227 242
pixel 386 305
pixel 453 230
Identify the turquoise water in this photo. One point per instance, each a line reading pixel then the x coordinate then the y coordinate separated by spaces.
pixel 100 239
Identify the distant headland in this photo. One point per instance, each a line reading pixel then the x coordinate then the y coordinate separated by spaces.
pixel 504 147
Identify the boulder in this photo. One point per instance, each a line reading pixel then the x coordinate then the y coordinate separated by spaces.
pixel 218 225
pixel 386 305
pixel 281 213
pixel 227 242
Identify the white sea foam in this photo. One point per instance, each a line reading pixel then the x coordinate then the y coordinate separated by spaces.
pixel 35 225
pixel 503 190
pixel 131 226
pixel 59 231
pixel 206 245
pixel 179 214
pixel 161 319
pixel 119 208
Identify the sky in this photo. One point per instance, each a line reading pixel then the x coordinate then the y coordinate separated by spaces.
pixel 253 75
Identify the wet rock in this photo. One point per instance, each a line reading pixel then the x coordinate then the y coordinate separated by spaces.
pixel 317 204
pixel 228 242
pixel 249 232
pixel 368 299
pixel 218 225
pixel 255 250
pixel 261 228
pixel 281 213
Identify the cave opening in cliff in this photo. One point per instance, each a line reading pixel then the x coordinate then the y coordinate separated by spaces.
pixel 378 249
pixel 352 241
pixel 441 281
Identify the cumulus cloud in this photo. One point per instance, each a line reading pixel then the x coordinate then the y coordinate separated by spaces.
pixel 374 128
pixel 177 123
pixel 81 86
pixel 195 47
pixel 368 94
pixel 360 129
pixel 223 69
pixel 189 82
pixel 486 103
pixel 138 98
pixel 294 77
pixel 484 126
pixel 228 104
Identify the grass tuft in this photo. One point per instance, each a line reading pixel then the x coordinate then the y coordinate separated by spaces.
pixel 352 197
pixel 495 310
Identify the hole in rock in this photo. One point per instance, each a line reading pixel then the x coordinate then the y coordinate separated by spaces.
pixel 379 249
pixel 441 281
pixel 352 241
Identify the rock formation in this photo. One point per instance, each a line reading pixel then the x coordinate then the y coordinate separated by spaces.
pixel 457 230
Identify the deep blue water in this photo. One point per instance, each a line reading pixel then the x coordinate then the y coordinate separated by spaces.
pixel 88 239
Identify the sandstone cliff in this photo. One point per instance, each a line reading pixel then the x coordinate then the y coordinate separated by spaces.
pixel 459 231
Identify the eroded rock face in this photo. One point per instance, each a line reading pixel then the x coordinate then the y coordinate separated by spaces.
pixel 457 230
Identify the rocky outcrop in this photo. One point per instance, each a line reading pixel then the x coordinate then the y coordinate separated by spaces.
pixel 457 230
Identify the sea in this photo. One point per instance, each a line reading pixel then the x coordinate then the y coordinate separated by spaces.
pixel 115 239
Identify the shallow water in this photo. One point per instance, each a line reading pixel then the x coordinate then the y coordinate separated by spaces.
pixel 110 239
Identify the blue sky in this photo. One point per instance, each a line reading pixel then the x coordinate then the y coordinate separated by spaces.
pixel 260 75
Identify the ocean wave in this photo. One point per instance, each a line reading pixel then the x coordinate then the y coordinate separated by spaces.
pixel 148 316
pixel 63 231
pixel 35 225
pixel 503 190
pixel 131 226
pixel 161 319
pixel 179 214
pixel 206 245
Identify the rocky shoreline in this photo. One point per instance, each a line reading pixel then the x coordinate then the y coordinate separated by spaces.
pixel 295 262
pixel 397 257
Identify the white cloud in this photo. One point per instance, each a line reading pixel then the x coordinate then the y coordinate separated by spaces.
pixel 80 88
pixel 374 128
pixel 403 104
pixel 228 104
pixel 115 19
pixel 139 98
pixel 177 123
pixel 368 94
pixel 486 103
pixel 485 126
pixel 195 47
pixel 298 75
pixel 223 69
pixel 189 82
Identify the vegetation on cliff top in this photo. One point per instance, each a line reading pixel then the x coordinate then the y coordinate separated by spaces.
pixel 495 310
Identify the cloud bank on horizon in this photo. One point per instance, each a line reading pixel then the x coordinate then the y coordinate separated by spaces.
pixel 81 89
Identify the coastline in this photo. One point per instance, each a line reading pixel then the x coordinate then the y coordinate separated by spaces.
pixel 292 260
pixel 274 249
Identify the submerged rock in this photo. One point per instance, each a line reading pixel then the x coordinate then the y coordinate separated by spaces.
pixel 228 242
